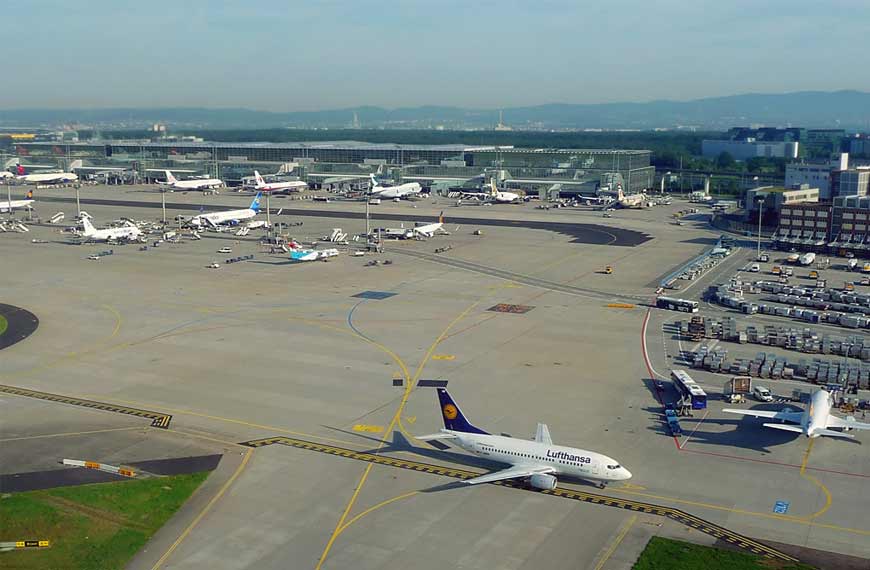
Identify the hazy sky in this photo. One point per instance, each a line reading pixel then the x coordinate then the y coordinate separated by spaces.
pixel 284 55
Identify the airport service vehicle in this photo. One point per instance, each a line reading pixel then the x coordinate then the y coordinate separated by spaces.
pixel 673 304
pixel 51 177
pixel 225 250
pixel 290 186
pixel 194 184
pixel 673 421
pixel 400 191
pixel 853 263
pixel 213 266
pixel 764 258
pixel 538 460
pixel 128 232
pixel 816 420
pixel 691 394
pixel 10 205
pixel 762 394
pixel 375 201
pixel 793 258
pixel 228 217
pixel 754 268
pixel 807 258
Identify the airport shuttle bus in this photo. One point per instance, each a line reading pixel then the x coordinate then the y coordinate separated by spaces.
pixel 690 392
pixel 673 304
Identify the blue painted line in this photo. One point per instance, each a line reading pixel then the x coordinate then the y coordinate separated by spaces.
pixel 350 320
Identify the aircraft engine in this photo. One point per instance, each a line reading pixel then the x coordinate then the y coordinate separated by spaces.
pixel 543 481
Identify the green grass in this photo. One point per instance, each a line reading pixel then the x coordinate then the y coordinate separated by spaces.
pixel 4 324
pixel 667 554
pixel 91 527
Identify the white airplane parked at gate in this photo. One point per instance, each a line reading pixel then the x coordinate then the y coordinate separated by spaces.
pixel 400 191
pixel 194 184
pixel 290 186
pixel 230 217
pixel 501 196
pixel 538 460
pixel 9 205
pixel 52 177
pixel 128 232
pixel 812 422
pixel 4 174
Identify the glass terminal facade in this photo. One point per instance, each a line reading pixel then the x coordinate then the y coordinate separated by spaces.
pixel 532 169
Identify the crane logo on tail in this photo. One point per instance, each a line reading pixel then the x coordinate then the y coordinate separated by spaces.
pixel 450 411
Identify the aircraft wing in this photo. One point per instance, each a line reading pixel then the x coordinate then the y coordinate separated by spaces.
pixel 832 433
pixel 795 417
pixel 543 434
pixel 834 421
pixel 785 427
pixel 514 472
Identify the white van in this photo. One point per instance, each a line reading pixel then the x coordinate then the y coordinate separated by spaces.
pixel 754 268
pixel 762 394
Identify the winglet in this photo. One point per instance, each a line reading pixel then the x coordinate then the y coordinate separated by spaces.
pixel 543 434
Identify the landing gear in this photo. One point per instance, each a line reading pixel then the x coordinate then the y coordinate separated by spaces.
pixel 602 486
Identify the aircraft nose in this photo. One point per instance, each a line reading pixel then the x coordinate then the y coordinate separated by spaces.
pixel 625 474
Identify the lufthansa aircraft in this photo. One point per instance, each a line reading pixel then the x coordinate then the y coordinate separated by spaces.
pixel 539 460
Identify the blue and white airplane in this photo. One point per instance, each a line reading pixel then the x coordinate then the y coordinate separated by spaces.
pixel 229 217
pixel 537 460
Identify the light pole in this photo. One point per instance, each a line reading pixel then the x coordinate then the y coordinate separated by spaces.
pixel 758 253
pixel 163 204
pixel 78 203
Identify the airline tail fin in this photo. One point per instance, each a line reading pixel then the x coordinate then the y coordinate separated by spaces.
pixel 170 178
pixel 441 217
pixel 374 181
pixel 259 179
pixel 493 188
pixel 454 420
pixel 76 164
pixel 88 226
pixel 255 204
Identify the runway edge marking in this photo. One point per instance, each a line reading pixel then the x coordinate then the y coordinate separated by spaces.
pixel 682 517
pixel 158 419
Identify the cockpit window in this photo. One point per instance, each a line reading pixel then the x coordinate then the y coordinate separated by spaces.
pixel 617 466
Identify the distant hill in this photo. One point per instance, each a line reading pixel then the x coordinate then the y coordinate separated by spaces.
pixel 844 109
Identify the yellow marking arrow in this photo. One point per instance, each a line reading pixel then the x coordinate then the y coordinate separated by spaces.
pixel 368 428
pixel 410 419
pixel 443 357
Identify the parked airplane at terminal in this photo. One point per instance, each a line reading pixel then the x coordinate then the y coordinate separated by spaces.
pixel 128 232
pixel 501 196
pixel 231 217
pixel 4 174
pixel 400 191
pixel 52 177
pixel 812 422
pixel 193 184
pixel 9 205
pixel 539 460
pixel 290 186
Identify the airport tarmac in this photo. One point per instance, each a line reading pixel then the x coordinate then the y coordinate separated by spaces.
pixel 262 349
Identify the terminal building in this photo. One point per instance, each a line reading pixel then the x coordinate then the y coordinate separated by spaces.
pixel 328 163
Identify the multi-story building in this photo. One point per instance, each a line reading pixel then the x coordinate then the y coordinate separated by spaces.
pixel 749 148
pixel 851 182
pixel 816 175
